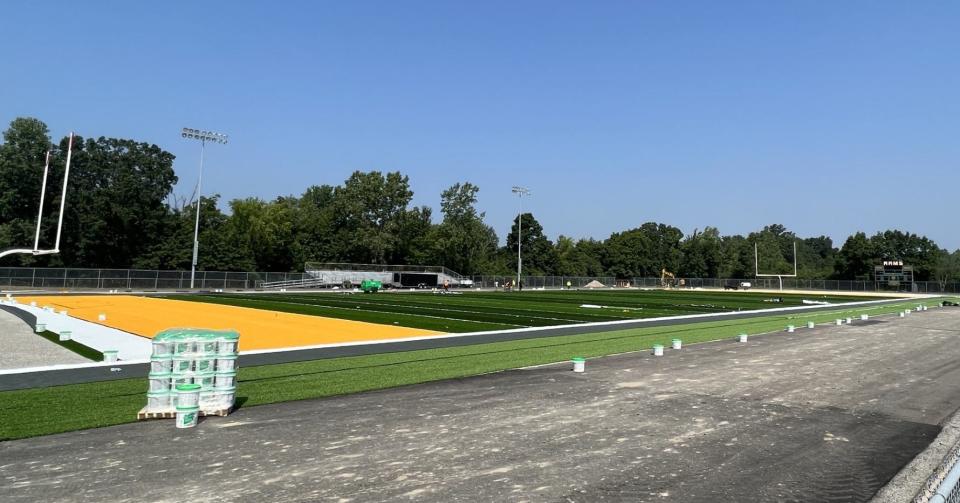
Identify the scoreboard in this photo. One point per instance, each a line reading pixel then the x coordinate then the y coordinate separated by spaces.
pixel 893 275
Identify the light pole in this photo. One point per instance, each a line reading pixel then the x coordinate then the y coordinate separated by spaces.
pixel 204 137
pixel 520 192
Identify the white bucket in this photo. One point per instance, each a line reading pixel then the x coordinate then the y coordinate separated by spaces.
pixel 187 417
pixel 207 347
pixel 226 397
pixel 864 317
pixel 839 322
pixel 206 381
pixel 901 314
pixel 159 382
pixel 849 320
pixel 906 311
pixel 227 347
pixel 657 350
pixel 40 327
pixel 184 347
pixel 65 335
pixel 188 395
pixel 181 379
pixel 790 328
pixel 182 363
pixel 226 363
pixel 229 379
pixel 209 400
pixel 159 400
pixel 162 348
pixel 161 364
pixel 110 355
pixel 204 364
pixel 811 324
pixel 742 337
pixel 676 343
pixel 579 364
pixel 101 317
pixel 924 308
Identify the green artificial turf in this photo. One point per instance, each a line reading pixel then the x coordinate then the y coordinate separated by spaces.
pixel 42 411
pixel 471 311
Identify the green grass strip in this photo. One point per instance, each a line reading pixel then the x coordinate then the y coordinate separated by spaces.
pixel 72 345
pixel 43 411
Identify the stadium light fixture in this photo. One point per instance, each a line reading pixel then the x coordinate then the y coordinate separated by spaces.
pixel 520 192
pixel 204 137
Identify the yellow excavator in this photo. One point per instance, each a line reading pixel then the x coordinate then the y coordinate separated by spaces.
pixel 667 278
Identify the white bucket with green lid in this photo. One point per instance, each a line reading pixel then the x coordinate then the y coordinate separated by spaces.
pixel 159 381
pixel 579 364
pixel 811 324
pixel 65 335
pixel 182 363
pixel 658 350
pixel 111 355
pixel 162 364
pixel 226 363
pixel 206 380
pixel 209 399
pixel 187 416
pixel 742 337
pixel 676 343
pixel 225 396
pixel 225 379
pixel 227 343
pixel 159 400
pixel 40 327
pixel 188 395
pixel 204 363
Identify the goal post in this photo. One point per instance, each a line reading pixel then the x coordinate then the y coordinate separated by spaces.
pixel 63 201
pixel 779 276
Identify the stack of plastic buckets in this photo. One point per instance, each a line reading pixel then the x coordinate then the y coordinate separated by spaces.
pixel 193 371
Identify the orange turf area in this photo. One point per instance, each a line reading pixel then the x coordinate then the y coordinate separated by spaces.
pixel 259 329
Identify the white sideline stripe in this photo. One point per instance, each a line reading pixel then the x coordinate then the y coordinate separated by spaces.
pixel 473 334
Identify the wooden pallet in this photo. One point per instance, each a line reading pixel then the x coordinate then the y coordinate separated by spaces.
pixel 170 414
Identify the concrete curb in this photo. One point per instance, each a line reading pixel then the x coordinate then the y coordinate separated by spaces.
pixel 919 479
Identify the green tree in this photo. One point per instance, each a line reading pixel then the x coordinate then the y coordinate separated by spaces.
pixel 539 256
pixel 462 241
pixel 368 212
pixel 702 254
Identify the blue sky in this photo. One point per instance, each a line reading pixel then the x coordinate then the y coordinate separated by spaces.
pixel 827 117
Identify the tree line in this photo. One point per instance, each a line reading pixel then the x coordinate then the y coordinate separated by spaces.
pixel 121 213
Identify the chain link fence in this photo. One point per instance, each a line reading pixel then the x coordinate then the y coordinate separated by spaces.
pixel 134 279
pixel 143 279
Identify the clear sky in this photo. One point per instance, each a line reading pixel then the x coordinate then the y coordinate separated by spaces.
pixel 827 117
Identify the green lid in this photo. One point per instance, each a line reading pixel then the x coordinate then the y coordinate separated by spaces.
pixel 579 359
pixel 188 387
pixel 157 375
pixel 675 340
pixel 227 357
pixel 195 408
pixel 658 346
